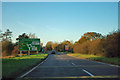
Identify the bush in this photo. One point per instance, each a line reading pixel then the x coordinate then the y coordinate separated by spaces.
pixel 7 48
pixel 81 48
pixel 105 46
pixel 96 47
pixel 15 51
pixel 76 48
pixel 112 49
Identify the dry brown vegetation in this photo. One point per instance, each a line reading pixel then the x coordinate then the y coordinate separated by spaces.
pixel 7 48
pixel 90 43
pixel 105 46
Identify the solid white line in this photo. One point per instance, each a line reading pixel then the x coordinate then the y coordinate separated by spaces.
pixel 31 70
pixel 88 72
pixel 114 65
pixel 101 62
pixel 73 64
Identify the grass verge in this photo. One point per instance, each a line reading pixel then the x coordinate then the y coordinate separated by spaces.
pixel 12 67
pixel 115 60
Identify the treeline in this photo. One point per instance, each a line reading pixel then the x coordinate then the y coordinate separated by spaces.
pixel 103 45
pixel 60 47
pixel 8 47
pixel 91 43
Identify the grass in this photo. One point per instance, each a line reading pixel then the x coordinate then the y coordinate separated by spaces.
pixel 114 60
pixel 12 67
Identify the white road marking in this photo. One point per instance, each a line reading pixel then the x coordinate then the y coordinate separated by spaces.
pixel 114 65
pixel 88 72
pixel 108 64
pixel 73 64
pixel 31 70
pixel 99 62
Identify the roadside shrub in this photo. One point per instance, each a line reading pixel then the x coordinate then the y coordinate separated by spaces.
pixel 84 47
pixel 81 48
pixel 7 48
pixel 76 48
pixel 107 46
pixel 96 47
pixel 15 51
pixel 112 49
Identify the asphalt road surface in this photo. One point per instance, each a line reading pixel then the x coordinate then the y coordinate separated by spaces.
pixel 60 66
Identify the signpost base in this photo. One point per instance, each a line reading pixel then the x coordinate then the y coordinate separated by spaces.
pixel 20 53
pixel 28 52
pixel 37 53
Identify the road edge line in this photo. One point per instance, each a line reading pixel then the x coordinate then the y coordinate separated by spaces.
pixel 32 68
pixel 88 73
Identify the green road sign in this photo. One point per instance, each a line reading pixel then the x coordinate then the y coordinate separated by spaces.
pixel 29 44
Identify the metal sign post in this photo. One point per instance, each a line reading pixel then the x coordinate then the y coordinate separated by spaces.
pixel 28 52
pixel 20 53
pixel 37 53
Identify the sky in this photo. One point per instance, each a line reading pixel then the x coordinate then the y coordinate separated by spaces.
pixel 59 21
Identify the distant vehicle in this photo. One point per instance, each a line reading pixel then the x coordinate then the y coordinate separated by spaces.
pixel 53 52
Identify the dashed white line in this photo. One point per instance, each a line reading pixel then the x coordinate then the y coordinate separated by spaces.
pixel 88 72
pixel 73 64
pixel 99 62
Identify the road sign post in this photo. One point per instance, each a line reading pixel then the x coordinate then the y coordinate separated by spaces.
pixel 20 53
pixel 37 53
pixel 29 45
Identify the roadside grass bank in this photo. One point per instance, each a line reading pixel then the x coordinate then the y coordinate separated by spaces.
pixel 12 67
pixel 115 60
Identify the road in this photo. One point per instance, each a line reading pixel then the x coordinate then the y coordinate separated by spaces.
pixel 62 66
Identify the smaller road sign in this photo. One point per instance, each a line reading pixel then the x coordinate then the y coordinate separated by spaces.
pixel 66 47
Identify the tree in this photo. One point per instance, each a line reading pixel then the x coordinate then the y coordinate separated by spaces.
pixel 41 46
pixel 24 35
pixel 81 48
pixel 61 47
pixel 112 45
pixel 54 45
pixel 6 35
pixel 48 46
pixel 32 35
pixel 89 36
pixel 1 35
pixel 7 47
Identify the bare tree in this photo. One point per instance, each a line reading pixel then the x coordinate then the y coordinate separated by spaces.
pixel 32 35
